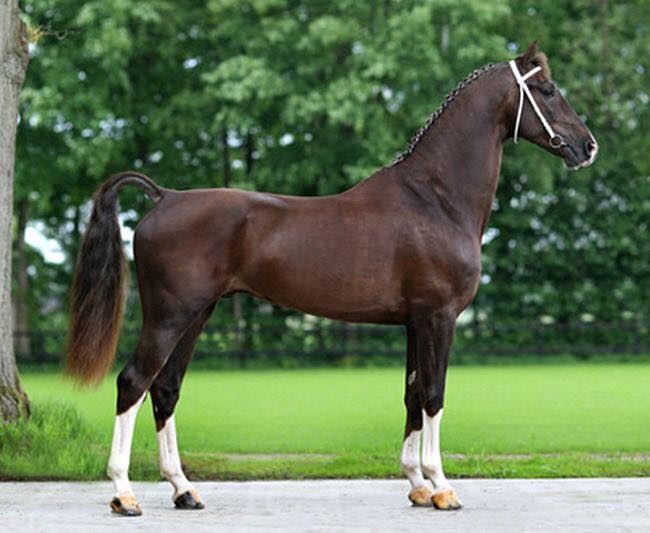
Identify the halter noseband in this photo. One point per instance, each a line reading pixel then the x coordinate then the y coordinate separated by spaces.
pixel 555 140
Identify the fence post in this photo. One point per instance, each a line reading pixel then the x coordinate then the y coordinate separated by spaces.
pixel 241 348
pixel 42 356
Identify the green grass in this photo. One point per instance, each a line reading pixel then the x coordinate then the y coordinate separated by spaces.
pixel 500 421
pixel 54 443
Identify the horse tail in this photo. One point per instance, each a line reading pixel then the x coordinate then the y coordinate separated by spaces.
pixel 98 286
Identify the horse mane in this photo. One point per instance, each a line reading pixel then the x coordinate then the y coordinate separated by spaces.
pixel 473 76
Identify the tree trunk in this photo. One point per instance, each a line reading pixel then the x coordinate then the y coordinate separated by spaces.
pixel 13 64
pixel 21 285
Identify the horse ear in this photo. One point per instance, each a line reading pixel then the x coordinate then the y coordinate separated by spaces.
pixel 529 55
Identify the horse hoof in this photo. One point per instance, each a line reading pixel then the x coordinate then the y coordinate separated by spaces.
pixel 421 497
pixel 446 501
pixel 188 500
pixel 126 505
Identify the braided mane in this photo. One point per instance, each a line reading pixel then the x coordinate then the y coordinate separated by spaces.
pixel 427 125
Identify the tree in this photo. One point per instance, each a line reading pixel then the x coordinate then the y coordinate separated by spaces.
pixel 13 64
pixel 309 97
pixel 573 245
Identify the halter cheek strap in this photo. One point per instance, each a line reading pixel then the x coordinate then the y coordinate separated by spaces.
pixel 554 139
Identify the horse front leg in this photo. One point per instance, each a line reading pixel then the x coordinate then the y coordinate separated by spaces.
pixel 434 335
pixel 421 493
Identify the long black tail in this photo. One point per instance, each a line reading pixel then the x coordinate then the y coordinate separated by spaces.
pixel 98 286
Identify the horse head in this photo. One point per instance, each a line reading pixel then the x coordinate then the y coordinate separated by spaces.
pixel 543 114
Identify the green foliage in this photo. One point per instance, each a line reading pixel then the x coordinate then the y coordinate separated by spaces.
pixel 309 97
pixel 573 244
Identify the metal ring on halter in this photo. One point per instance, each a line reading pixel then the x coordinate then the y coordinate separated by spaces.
pixel 556 141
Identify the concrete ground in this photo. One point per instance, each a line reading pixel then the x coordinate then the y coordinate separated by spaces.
pixel 337 505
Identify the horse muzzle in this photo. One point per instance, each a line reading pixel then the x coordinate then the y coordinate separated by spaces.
pixel 580 155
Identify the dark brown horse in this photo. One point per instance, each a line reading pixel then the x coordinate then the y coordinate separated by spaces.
pixel 401 247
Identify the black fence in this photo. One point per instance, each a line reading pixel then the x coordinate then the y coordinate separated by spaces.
pixel 297 343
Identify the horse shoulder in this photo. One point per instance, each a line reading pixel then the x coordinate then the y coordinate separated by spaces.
pixel 440 261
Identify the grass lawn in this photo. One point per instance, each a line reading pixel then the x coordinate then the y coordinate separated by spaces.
pixel 500 421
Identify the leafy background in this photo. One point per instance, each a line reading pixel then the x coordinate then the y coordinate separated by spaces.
pixel 309 97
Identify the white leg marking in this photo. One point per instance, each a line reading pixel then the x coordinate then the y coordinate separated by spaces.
pixel 169 459
pixel 431 459
pixel 118 464
pixel 410 460
pixel 412 377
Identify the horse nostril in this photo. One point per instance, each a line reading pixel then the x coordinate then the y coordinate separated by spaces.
pixel 591 146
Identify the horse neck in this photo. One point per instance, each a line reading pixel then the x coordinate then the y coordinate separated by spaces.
pixel 458 158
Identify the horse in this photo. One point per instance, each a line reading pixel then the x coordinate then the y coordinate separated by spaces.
pixel 401 247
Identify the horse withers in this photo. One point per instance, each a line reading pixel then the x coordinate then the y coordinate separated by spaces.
pixel 401 247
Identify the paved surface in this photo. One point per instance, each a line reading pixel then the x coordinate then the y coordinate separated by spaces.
pixel 341 505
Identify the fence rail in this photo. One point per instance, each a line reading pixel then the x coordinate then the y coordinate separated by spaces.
pixel 338 343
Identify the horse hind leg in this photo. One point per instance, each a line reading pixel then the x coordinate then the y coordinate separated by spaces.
pixel 165 391
pixel 160 333
pixel 124 502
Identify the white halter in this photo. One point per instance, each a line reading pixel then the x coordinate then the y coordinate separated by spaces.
pixel 554 139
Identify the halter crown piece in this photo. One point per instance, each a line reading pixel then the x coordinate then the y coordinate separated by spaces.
pixel 555 140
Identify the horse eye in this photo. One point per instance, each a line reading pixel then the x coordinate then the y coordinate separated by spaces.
pixel 548 91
